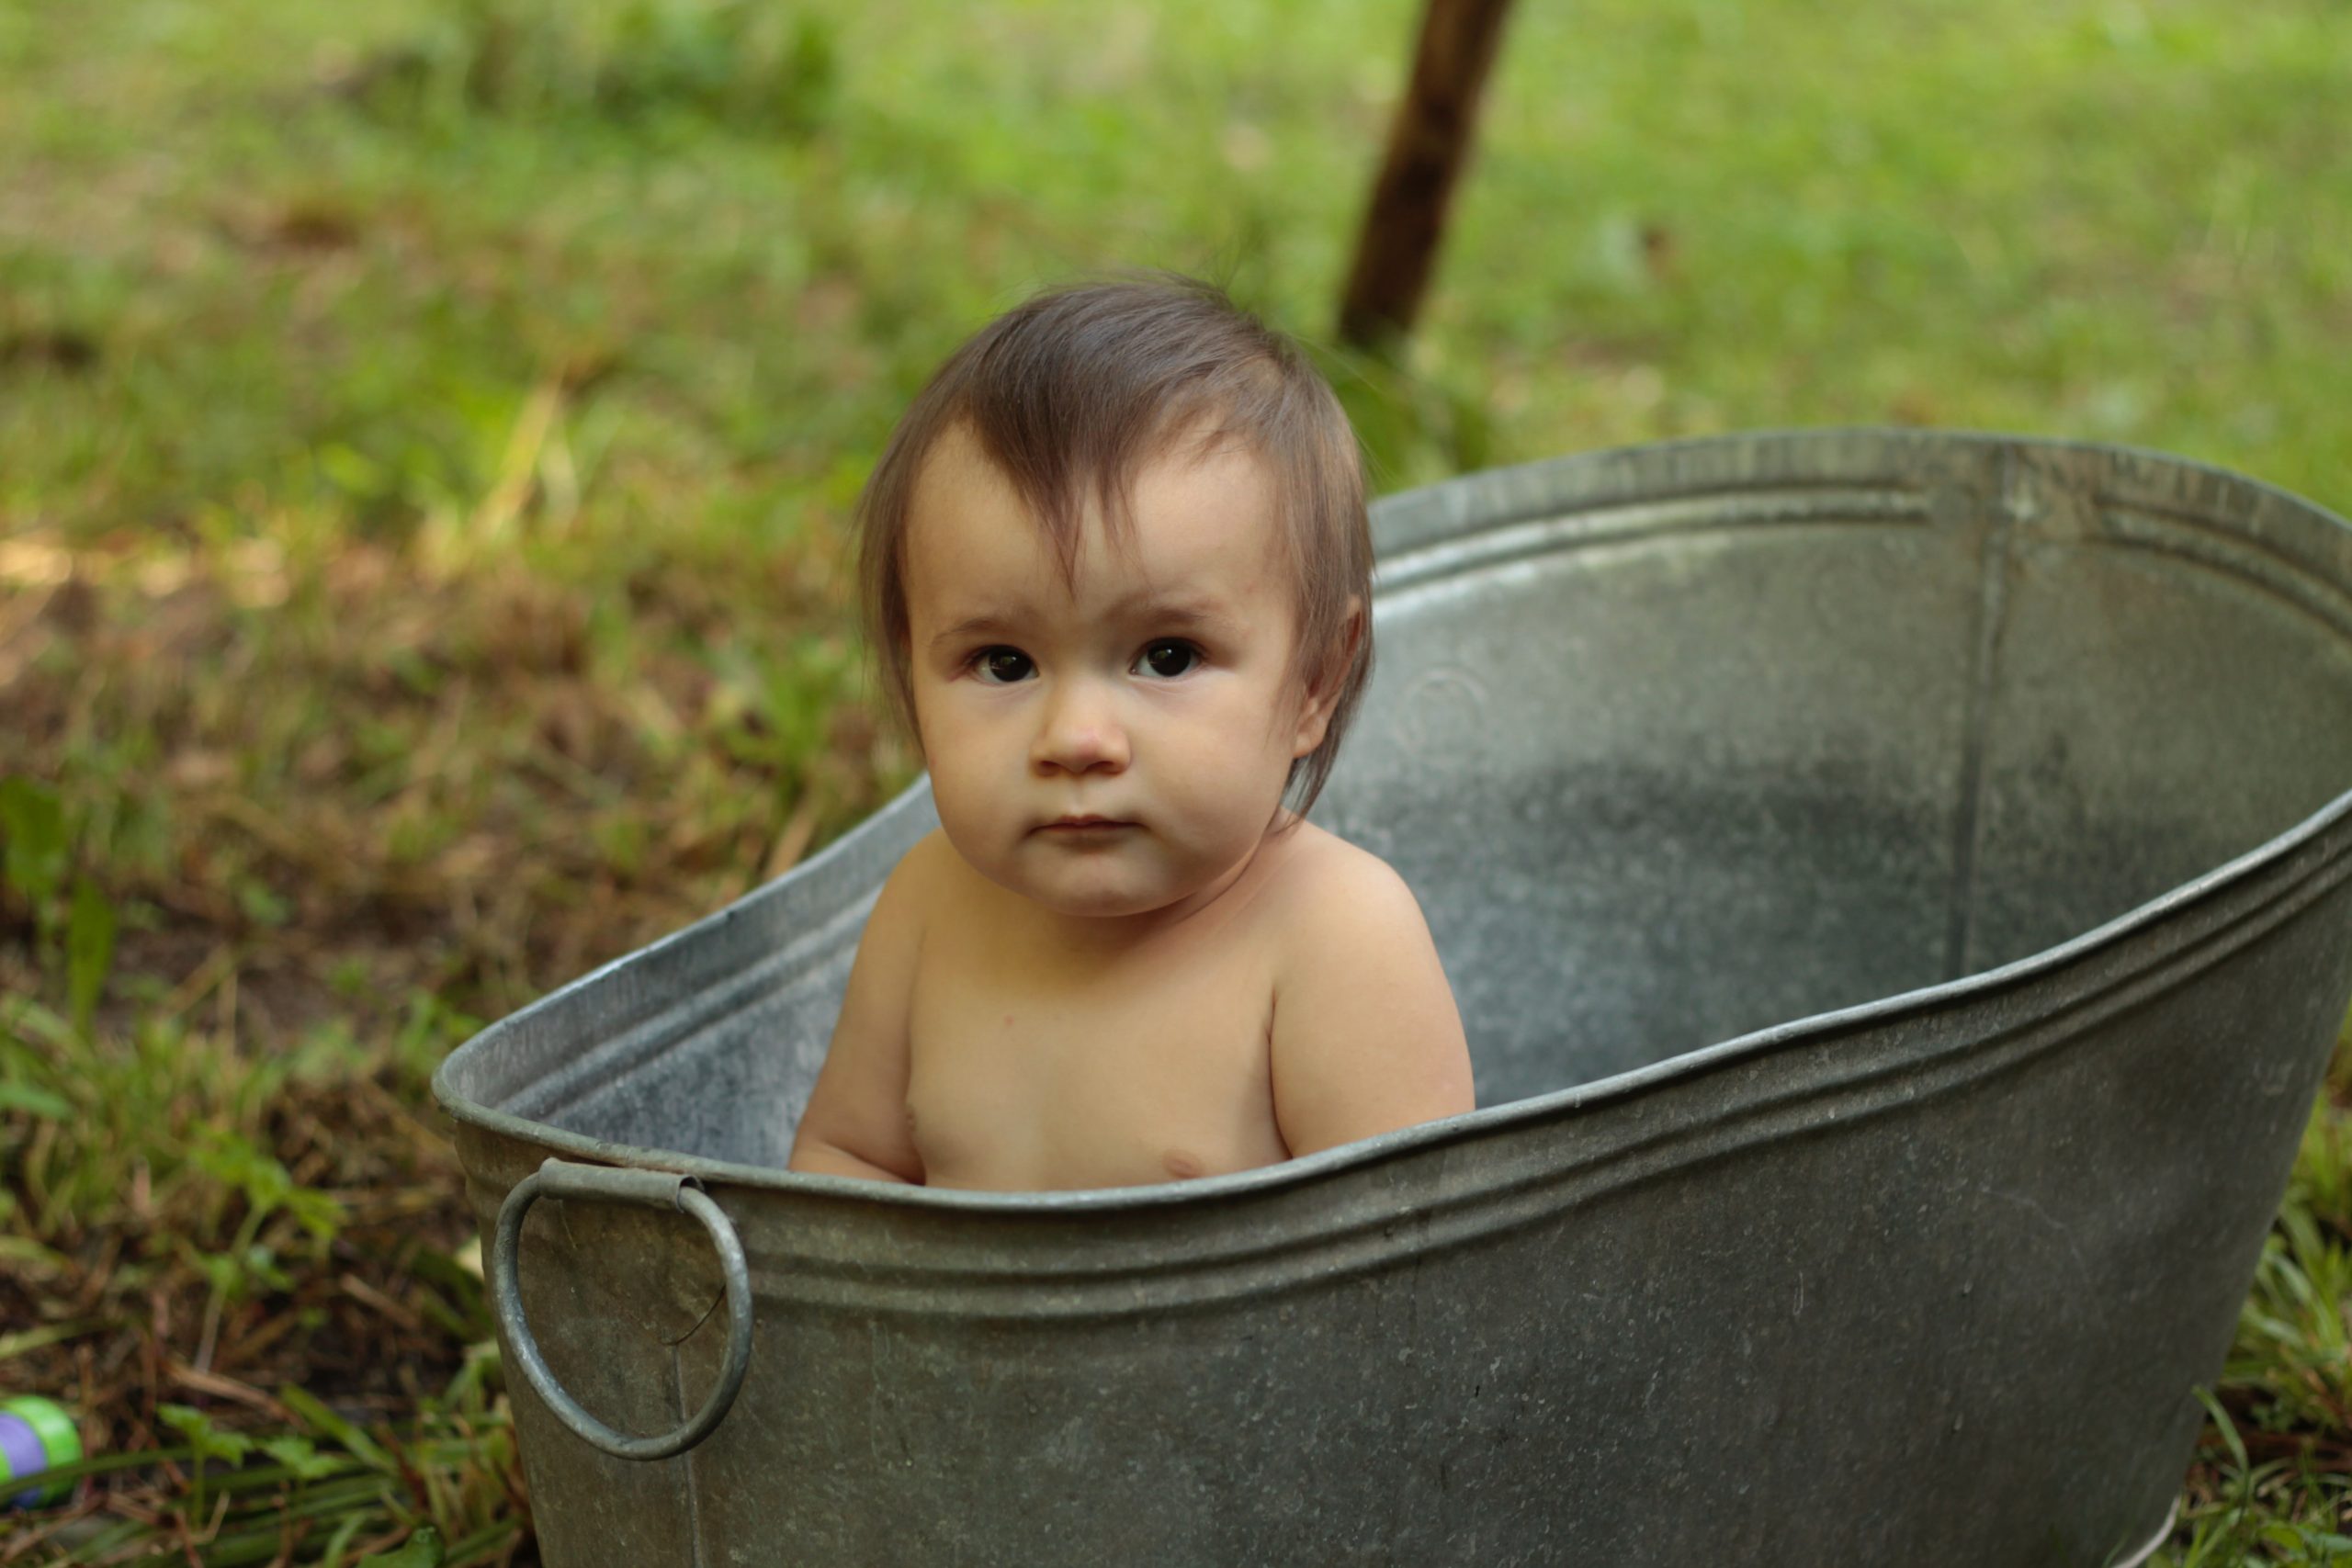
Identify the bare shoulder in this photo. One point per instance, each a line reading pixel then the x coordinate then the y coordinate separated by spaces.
pixel 1331 884
pixel 912 891
pixel 927 863
pixel 1366 1037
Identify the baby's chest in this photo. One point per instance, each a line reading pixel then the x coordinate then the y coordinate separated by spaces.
pixel 1152 1072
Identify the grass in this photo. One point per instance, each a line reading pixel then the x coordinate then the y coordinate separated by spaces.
pixel 2273 1478
pixel 427 436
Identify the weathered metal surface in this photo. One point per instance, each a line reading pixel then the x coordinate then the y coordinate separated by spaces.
pixel 2014 771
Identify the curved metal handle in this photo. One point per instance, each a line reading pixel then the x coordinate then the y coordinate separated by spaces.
pixel 655 1190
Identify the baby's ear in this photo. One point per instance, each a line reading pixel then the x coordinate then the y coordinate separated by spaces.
pixel 1315 712
pixel 1351 636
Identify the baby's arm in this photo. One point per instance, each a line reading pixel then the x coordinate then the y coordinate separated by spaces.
pixel 1366 1038
pixel 856 1120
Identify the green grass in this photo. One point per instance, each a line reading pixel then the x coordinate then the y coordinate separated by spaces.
pixel 427 431
pixel 2273 1481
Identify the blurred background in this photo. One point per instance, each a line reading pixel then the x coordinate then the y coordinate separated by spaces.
pixel 428 431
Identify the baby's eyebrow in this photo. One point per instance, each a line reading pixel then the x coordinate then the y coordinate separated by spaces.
pixel 971 625
pixel 1181 612
pixel 1177 607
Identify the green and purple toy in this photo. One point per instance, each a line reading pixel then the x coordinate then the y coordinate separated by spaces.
pixel 36 1435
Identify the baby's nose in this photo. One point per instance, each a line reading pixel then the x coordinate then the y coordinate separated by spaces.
pixel 1080 731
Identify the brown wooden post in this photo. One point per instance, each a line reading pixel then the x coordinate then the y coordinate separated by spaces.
pixel 1427 145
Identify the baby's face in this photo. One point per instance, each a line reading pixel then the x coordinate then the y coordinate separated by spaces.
pixel 1036 703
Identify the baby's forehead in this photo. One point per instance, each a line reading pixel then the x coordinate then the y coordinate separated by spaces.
pixel 1194 450
pixel 1191 526
pixel 1112 588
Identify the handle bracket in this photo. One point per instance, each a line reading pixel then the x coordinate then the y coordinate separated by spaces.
pixel 652 1189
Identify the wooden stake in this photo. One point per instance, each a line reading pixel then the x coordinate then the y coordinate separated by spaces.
pixel 1427 146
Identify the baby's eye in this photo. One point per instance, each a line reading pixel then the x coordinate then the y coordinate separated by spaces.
pixel 999 666
pixel 1170 651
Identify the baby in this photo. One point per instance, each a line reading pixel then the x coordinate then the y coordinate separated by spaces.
pixel 1116 571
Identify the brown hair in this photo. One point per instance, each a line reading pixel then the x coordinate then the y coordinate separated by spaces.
pixel 1078 388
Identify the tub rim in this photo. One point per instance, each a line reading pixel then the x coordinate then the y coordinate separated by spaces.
pixel 1267 1181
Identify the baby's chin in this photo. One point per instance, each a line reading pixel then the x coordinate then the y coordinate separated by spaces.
pixel 1108 884
pixel 1100 909
pixel 1100 893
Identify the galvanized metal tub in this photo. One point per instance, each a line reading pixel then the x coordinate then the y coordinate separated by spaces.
pixel 2014 771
